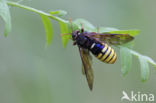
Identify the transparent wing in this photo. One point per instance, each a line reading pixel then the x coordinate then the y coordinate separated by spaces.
pixel 113 39
pixel 87 69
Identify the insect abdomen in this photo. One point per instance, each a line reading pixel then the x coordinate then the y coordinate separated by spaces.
pixel 104 53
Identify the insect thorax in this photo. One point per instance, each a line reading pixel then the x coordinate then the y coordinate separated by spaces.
pixel 84 41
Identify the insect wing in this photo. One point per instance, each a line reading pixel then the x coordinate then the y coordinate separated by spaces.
pixel 87 69
pixel 113 39
pixel 90 59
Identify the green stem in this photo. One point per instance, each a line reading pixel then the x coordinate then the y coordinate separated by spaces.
pixel 36 11
pixel 147 58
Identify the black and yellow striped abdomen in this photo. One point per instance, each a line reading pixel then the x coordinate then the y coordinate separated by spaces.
pixel 107 55
pixel 104 52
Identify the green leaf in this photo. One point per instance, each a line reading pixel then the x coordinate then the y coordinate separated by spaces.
pixel 130 32
pixel 144 68
pixel 5 14
pixel 116 31
pixel 48 28
pixel 58 13
pixel 126 60
pixel 151 61
pixel 148 59
pixel 84 23
pixel 144 60
pixel 54 12
pixel 64 31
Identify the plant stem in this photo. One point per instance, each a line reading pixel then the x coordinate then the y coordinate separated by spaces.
pixel 36 11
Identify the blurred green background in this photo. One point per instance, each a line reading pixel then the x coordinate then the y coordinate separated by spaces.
pixel 31 73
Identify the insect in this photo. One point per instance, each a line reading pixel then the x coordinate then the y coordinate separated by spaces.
pixel 98 45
